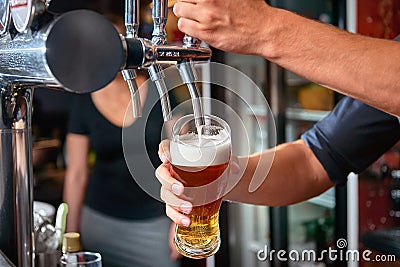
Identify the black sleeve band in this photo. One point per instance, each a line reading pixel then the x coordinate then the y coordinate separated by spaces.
pixel 351 137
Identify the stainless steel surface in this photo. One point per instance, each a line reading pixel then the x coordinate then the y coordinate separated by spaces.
pixel 177 54
pixel 24 12
pixel 132 11
pixel 25 63
pixel 157 52
pixel 61 54
pixel 52 57
pixel 157 76
pixel 129 76
pixel 160 16
pixel 24 58
pixel 189 77
pixel 189 41
pixel 4 16
pixel 142 53
pixel 16 174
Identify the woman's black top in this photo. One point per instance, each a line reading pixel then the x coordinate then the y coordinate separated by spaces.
pixel 112 189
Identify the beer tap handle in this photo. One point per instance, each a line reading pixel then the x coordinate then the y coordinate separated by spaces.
pixel 159 13
pixel 132 11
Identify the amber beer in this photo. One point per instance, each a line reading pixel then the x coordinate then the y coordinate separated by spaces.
pixel 200 162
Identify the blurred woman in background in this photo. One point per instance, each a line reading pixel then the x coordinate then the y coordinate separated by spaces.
pixel 113 214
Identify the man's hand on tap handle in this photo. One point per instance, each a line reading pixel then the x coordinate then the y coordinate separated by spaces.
pixel 229 25
pixel 317 51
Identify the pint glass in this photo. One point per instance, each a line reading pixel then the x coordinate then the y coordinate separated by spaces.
pixel 199 160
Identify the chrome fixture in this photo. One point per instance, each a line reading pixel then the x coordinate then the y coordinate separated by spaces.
pixel 189 77
pixel 157 52
pixel 132 11
pixel 79 51
pixel 159 14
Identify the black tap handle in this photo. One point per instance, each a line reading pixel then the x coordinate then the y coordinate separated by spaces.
pixel 84 51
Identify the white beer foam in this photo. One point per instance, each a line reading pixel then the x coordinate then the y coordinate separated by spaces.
pixel 189 151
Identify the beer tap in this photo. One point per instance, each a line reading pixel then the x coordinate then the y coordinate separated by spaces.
pixel 132 11
pixel 189 77
pixel 160 14
pixel 79 51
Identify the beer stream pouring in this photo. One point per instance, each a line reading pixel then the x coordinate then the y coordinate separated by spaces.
pixel 79 51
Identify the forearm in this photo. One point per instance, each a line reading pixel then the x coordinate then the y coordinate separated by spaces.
pixel 74 194
pixel 362 67
pixel 295 175
pixel 76 177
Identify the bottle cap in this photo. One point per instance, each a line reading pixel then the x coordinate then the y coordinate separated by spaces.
pixel 71 242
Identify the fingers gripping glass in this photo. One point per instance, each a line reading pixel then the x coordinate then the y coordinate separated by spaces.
pixel 199 159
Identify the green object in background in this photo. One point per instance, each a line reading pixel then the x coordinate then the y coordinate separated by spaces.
pixel 91 158
pixel 61 222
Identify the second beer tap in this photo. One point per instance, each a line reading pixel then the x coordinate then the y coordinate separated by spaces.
pixel 160 15
pixel 132 10
pixel 142 53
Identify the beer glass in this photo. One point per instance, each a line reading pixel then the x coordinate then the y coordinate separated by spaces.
pixel 199 160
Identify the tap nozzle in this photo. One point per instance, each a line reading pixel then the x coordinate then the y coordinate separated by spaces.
pixel 157 76
pixel 189 77
pixel 130 76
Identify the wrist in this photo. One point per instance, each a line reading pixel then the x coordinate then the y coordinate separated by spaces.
pixel 275 33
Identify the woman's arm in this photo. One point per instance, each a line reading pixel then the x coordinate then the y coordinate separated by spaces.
pixel 76 177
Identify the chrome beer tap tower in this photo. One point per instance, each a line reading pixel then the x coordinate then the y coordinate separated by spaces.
pixel 160 53
pixel 79 51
